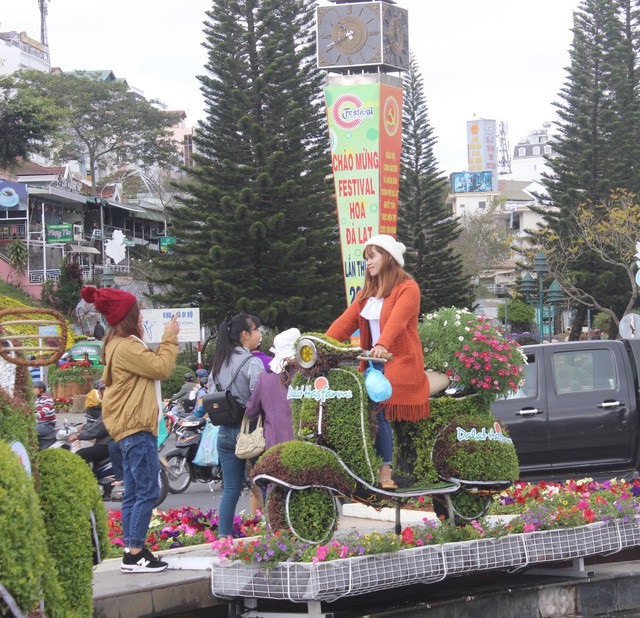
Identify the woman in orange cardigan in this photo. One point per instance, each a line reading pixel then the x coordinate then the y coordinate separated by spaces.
pixel 386 311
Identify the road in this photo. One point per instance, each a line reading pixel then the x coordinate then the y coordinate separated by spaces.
pixel 197 494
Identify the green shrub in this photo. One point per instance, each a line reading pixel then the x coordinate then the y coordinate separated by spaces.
pixel 68 492
pixel 22 560
pixel 173 383
pixel 17 417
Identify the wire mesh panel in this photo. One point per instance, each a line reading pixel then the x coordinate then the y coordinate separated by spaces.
pixel 502 553
pixel 328 581
pixel 564 543
pixel 284 581
pixel 460 557
pixel 628 532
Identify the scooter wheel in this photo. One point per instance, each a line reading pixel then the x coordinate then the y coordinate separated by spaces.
pixel 163 481
pixel 178 474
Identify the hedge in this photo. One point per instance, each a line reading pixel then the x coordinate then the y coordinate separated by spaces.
pixel 68 492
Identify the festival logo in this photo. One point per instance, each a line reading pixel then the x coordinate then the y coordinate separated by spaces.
pixel 348 111
pixel 320 391
pixel 391 116
pixel 494 434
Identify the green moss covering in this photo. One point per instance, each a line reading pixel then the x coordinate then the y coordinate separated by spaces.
pixel 343 427
pixel 474 461
pixel 68 492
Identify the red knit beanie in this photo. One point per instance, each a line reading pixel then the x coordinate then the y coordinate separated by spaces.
pixel 112 304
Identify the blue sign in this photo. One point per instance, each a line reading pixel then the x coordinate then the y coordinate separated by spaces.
pixel 13 195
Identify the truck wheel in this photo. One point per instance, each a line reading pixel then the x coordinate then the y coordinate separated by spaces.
pixel 178 474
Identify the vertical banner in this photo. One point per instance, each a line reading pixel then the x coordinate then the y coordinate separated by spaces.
pixel 365 130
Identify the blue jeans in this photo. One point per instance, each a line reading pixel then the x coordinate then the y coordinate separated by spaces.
pixel 141 469
pixel 384 438
pixel 232 476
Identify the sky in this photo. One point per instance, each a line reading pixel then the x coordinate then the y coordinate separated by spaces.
pixel 497 59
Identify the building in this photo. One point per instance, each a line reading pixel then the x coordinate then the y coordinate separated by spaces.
pixel 19 51
pixel 529 156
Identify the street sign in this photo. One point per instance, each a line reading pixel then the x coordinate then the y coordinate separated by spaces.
pixel 154 321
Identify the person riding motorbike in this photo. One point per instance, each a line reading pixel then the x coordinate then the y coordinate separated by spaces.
pixel 45 411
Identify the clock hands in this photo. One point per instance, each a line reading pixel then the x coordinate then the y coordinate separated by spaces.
pixel 348 34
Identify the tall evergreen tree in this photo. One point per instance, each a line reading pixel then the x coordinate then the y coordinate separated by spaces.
pixel 256 224
pixel 425 223
pixel 596 146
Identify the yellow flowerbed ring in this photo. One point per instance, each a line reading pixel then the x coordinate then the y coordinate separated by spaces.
pixel 29 341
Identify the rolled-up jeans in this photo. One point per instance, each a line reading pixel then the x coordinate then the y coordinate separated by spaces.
pixel 141 469
pixel 384 437
pixel 233 470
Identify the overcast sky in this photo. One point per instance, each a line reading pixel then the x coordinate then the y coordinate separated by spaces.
pixel 500 59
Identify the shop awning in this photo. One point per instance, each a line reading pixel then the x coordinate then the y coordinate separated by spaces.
pixel 82 249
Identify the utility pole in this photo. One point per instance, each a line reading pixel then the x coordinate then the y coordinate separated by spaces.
pixel 42 4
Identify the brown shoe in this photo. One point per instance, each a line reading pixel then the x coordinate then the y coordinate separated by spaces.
pixel 386 482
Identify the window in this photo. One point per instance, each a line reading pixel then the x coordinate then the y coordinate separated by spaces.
pixel 547 150
pixel 530 375
pixel 536 150
pixel 578 371
pixel 522 152
pixel 482 205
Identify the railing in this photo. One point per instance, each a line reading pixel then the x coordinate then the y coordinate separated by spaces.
pixel 13 231
pixel 38 276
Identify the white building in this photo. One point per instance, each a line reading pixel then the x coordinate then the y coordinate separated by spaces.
pixel 528 162
pixel 19 51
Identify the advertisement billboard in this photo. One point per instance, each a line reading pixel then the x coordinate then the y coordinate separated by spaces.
pixel 13 196
pixel 154 321
pixel 62 232
pixel 482 145
pixel 471 182
pixel 365 130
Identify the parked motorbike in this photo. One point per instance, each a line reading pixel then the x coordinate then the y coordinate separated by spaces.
pixel 178 462
pixel 58 437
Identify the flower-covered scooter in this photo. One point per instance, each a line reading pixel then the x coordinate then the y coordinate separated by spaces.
pixel 333 457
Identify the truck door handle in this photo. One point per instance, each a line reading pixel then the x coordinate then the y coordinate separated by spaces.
pixel 605 405
pixel 528 412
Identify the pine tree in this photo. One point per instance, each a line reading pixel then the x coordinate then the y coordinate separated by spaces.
pixel 425 224
pixel 256 224
pixel 596 146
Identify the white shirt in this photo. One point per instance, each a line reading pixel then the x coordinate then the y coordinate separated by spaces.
pixel 371 312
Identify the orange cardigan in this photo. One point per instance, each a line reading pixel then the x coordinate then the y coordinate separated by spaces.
pixel 399 335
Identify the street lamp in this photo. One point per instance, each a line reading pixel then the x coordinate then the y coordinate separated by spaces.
pixel 554 296
pixel 540 266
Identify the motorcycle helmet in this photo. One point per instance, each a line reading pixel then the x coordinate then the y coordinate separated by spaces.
pixel 202 373
pixel 188 377
pixel 204 381
pixel 99 384
pixel 40 384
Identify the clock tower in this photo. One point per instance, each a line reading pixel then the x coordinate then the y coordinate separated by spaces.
pixel 363 45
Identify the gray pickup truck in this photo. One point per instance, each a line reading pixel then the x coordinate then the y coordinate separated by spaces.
pixel 577 414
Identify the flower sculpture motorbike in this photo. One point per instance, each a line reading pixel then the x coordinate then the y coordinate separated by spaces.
pixel 333 456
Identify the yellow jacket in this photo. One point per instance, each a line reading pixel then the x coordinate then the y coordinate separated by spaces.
pixel 92 399
pixel 130 403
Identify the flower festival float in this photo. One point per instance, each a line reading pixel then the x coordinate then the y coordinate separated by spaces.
pixel 461 457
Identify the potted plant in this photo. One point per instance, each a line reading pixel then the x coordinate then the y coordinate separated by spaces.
pixel 75 378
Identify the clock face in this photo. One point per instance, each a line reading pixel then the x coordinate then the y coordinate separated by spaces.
pixel 395 26
pixel 349 35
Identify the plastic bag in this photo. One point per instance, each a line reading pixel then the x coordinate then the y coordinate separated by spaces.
pixel 207 454
pixel 377 385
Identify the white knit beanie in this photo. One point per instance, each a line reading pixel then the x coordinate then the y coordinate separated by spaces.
pixel 388 243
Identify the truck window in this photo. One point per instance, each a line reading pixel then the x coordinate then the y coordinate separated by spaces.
pixel 529 387
pixel 584 370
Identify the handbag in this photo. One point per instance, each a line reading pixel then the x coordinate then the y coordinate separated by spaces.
pixel 207 453
pixel 221 406
pixel 250 443
pixel 377 385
